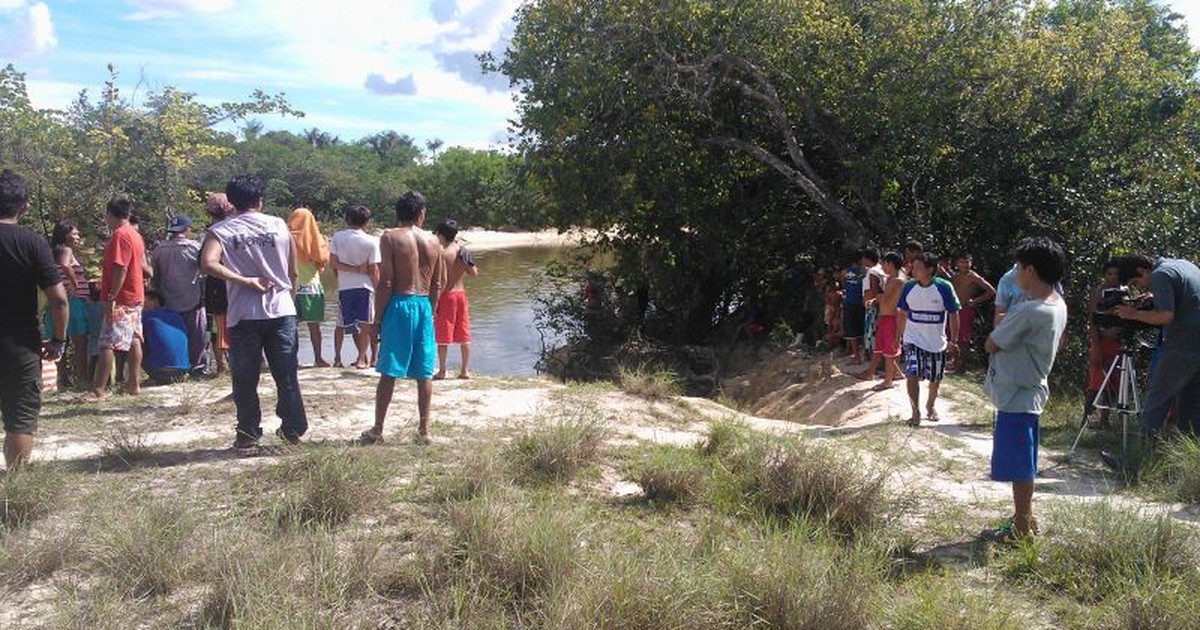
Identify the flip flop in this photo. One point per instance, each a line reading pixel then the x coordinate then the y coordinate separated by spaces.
pixel 914 421
pixel 370 438
pixel 932 416
pixel 883 388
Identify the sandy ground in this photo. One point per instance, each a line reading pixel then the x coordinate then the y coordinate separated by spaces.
pixel 483 240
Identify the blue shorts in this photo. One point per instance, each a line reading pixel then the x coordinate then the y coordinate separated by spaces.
pixel 1015 447
pixel 407 348
pixel 77 319
pixel 356 306
pixel 922 364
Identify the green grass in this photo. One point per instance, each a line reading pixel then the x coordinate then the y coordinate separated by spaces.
pixel 671 474
pixel 144 547
pixel 28 494
pixel 567 443
pixel 1095 551
pixel 123 448
pixel 1176 470
pixel 324 488
pixel 938 601
pixel 647 383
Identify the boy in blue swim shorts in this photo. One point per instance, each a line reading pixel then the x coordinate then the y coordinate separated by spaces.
pixel 411 277
pixel 1022 348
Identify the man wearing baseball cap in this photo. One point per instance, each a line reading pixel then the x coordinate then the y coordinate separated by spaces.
pixel 177 279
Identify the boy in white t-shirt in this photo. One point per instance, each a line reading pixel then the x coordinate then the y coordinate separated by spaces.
pixel 927 303
pixel 355 257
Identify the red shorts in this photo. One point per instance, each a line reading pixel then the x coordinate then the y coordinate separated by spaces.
pixel 1108 350
pixel 966 324
pixel 452 323
pixel 885 336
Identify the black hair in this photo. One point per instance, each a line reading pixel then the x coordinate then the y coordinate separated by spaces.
pixel 895 258
pixel 152 294
pixel 94 291
pixel 448 229
pixel 120 207
pixel 871 253
pixel 1128 266
pixel 963 256
pixel 409 206
pixel 357 216
pixel 915 246
pixel 1044 255
pixel 14 194
pixel 62 231
pixel 929 259
pixel 1111 263
pixel 244 191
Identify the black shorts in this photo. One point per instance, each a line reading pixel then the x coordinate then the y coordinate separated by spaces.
pixel 20 386
pixel 853 320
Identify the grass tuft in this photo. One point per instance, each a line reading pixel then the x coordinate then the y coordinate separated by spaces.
pixel 326 488
pixel 1094 551
pixel 479 473
pixel 647 383
pixel 143 549
pixel 671 474
pixel 794 478
pixel 31 557
pixel 122 448
pixel 723 438
pixel 558 452
pixel 29 493
pixel 937 602
pixel 1177 470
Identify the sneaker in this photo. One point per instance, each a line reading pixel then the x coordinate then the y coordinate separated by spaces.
pixel 288 438
pixel 245 446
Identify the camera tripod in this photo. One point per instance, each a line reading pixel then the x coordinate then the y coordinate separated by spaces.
pixel 1127 405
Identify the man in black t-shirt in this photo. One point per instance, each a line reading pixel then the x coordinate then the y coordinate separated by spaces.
pixel 26 265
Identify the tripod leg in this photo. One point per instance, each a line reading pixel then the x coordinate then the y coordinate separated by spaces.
pixel 1087 415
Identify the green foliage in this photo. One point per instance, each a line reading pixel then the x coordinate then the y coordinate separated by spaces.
pixel 558 451
pixel 651 384
pixel 326 489
pixel 671 474
pixel 27 494
pixel 727 148
pixel 1178 469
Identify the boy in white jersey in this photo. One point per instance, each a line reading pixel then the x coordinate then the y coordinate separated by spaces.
pixel 927 303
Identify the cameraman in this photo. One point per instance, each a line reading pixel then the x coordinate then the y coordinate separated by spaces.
pixel 1175 286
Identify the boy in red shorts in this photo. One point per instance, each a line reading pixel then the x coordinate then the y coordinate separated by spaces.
pixel 972 290
pixel 452 319
pixel 887 342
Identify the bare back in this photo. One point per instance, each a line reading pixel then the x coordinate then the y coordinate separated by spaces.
pixel 456 269
pixel 411 263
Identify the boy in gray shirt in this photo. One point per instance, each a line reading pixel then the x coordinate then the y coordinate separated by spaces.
pixel 1022 349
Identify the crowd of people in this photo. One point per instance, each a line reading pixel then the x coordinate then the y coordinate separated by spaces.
pixel 230 300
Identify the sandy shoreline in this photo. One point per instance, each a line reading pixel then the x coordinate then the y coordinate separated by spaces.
pixel 484 240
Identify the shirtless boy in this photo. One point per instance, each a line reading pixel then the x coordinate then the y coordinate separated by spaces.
pixel 411 277
pixel 453 321
pixel 887 342
pixel 972 290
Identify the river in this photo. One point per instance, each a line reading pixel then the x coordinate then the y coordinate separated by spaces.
pixel 503 339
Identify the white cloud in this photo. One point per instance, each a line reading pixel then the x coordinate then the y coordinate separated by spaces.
pixel 25 29
pixel 152 9
pixel 46 94
pixel 1190 10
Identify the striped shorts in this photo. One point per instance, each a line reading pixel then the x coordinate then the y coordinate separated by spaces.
pixel 923 364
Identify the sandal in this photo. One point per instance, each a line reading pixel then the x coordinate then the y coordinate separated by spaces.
pixel 932 415
pixel 914 421
pixel 370 438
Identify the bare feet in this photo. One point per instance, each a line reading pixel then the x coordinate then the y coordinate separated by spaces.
pixel 439 376
pixel 931 415
pixel 883 387
pixel 423 439
pixel 370 437
pixel 337 363
pixel 864 376
pixel 914 421
pixel 92 397
pixel 321 363
pixel 360 366
pixel 464 375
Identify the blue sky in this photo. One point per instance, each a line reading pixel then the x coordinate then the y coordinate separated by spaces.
pixel 354 66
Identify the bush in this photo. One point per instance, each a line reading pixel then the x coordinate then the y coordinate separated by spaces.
pixel 122 449
pixel 649 384
pixel 29 493
pixel 793 579
pixel 1095 551
pixel 332 487
pixel 143 549
pixel 1167 605
pixel 1178 470
pixel 478 474
pixel 670 474
pixel 557 452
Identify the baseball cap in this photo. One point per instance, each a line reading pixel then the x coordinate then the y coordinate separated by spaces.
pixel 179 223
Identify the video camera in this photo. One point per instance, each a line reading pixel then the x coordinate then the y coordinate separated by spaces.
pixel 1113 297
